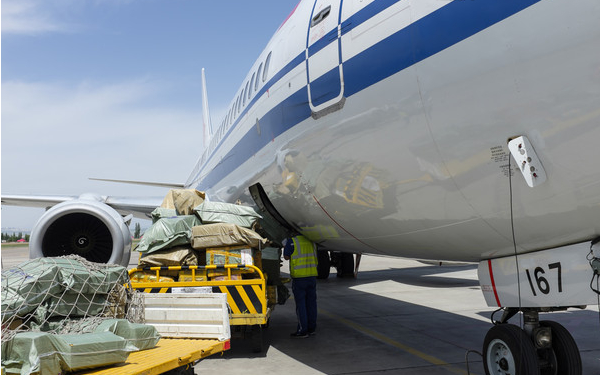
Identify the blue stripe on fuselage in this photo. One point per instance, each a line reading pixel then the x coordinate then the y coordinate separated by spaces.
pixel 361 16
pixel 432 34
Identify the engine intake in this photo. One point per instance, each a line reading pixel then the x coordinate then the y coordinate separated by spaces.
pixel 86 227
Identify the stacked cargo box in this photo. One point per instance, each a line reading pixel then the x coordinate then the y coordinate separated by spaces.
pixel 187 230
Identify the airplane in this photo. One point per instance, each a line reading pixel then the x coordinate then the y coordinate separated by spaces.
pixel 437 129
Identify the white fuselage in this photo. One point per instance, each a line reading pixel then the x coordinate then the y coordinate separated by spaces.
pixel 384 127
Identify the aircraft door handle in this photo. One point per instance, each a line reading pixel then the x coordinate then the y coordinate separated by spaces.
pixel 319 17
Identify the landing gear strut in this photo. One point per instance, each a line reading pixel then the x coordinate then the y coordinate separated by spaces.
pixel 343 262
pixel 541 347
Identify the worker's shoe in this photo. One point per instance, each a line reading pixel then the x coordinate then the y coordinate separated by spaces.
pixel 312 333
pixel 299 335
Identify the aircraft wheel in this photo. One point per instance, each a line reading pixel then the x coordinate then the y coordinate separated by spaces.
pixel 508 350
pixel 346 268
pixel 324 265
pixel 565 349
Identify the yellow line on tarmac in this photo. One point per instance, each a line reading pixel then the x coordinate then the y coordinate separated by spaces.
pixel 417 353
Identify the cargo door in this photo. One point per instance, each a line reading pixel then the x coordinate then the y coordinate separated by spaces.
pixel 324 58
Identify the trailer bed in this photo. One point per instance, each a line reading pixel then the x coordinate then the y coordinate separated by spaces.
pixel 168 354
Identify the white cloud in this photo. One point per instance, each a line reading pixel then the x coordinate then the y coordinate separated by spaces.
pixel 56 136
pixel 30 17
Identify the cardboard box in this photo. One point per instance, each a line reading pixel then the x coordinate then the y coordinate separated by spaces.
pixel 224 234
pixel 221 275
pixel 187 276
pixel 229 255
pixel 149 277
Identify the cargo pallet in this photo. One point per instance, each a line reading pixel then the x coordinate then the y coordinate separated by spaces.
pixel 249 308
pixel 191 335
pixel 177 354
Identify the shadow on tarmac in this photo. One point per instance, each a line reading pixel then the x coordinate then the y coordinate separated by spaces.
pixel 364 333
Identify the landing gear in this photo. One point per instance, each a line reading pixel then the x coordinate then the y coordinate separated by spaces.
pixel 508 351
pixel 568 359
pixel 324 265
pixel 344 262
pixel 541 347
pixel 346 268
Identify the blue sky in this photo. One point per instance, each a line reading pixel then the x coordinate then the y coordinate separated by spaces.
pixel 112 89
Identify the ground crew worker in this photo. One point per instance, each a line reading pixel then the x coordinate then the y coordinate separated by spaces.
pixel 302 254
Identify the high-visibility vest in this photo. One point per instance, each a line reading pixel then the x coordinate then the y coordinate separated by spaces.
pixel 303 262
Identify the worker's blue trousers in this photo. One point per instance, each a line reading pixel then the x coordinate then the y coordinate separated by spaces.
pixel 305 295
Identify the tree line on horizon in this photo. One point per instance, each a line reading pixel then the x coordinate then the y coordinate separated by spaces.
pixel 14 237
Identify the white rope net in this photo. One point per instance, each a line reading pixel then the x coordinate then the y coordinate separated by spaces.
pixel 65 295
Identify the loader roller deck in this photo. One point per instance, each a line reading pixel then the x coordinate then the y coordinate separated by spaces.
pixel 167 355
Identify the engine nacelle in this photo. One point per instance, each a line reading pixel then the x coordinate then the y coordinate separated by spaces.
pixel 86 227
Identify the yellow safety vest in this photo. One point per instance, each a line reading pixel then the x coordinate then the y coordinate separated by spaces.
pixel 303 262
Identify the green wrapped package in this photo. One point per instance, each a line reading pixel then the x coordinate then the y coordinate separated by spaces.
pixel 219 212
pixel 163 213
pixel 71 306
pixel 142 336
pixel 24 288
pixel 173 256
pixel 224 234
pixel 183 201
pixel 35 352
pixel 30 352
pixel 43 283
pixel 166 233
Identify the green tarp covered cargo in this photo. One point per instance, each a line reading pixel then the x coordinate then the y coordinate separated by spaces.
pixel 222 235
pixel 49 287
pixel 44 353
pixel 166 233
pixel 218 212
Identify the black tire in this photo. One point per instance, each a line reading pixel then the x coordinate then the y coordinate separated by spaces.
pixel 346 267
pixel 508 350
pixel 324 265
pixel 257 338
pixel 568 358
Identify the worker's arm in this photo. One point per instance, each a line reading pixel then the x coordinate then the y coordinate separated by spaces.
pixel 288 249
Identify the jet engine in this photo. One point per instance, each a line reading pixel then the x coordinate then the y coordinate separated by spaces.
pixel 86 227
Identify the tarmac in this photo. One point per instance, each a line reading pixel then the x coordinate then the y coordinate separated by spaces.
pixel 397 317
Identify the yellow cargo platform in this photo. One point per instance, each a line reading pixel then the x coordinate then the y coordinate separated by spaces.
pixel 167 355
pixel 245 286
pixel 247 298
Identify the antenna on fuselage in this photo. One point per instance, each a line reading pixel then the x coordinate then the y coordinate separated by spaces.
pixel 206 125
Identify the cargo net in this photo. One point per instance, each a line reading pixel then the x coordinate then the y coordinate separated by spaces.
pixel 65 295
